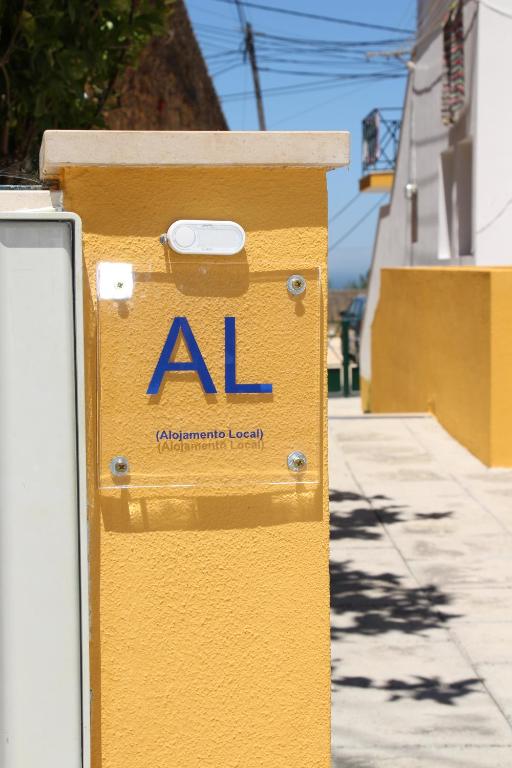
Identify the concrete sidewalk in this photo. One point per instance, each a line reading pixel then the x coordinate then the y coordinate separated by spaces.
pixel 421 595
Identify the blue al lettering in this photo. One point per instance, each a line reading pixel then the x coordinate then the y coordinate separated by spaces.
pixel 197 362
pixel 231 386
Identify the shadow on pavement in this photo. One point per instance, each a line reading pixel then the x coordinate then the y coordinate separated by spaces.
pixel 420 689
pixel 380 602
pixel 372 603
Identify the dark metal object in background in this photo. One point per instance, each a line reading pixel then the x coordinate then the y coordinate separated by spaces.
pixel 351 323
pixel 345 322
pixel 380 140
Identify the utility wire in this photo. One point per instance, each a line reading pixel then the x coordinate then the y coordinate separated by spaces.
pixel 241 14
pixel 345 207
pixel 333 19
pixel 316 105
pixel 320 59
pixel 222 71
pixel 357 224
pixel 335 43
pixel 313 42
pixel 338 75
pixel 306 87
pixel 313 53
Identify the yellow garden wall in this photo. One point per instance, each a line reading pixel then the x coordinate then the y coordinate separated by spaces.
pixel 441 343
pixel 501 360
pixel 209 615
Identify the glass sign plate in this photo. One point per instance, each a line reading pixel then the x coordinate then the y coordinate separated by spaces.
pixel 208 375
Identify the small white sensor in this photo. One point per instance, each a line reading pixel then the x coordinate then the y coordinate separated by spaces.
pixel 114 280
pixel 410 190
pixel 198 236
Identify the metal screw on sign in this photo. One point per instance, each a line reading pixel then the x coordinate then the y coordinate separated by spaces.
pixel 297 461
pixel 163 239
pixel 119 466
pixel 296 285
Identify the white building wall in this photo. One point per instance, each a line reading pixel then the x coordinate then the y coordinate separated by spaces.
pixel 444 162
pixel 493 160
pixel 383 240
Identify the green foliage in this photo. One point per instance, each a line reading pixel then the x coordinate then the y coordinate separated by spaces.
pixel 60 61
pixel 361 283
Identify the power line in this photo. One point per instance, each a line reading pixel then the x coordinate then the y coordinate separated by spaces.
pixel 222 54
pixel 317 17
pixel 334 43
pixel 314 54
pixel 241 14
pixel 306 87
pixel 348 59
pixel 217 14
pixel 357 224
pixel 345 207
pixel 314 42
pixel 316 105
pixel 338 75
pixel 222 71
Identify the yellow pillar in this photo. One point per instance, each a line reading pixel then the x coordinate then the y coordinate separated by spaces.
pixel 209 593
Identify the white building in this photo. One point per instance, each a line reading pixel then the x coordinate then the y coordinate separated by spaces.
pixel 451 202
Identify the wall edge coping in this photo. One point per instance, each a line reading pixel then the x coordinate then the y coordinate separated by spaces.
pixel 15 200
pixel 311 149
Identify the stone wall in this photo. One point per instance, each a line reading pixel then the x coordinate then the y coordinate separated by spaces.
pixel 170 88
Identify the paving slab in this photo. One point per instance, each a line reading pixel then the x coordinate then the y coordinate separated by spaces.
pixel 421 596
pixel 469 572
pixel 478 605
pixel 486 642
pixel 498 681
pixel 403 757
pixel 426 694
pixel 454 544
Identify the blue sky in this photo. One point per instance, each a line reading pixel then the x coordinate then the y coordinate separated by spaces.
pixel 325 104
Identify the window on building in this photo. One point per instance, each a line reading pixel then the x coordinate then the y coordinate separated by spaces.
pixel 455 223
pixel 414 217
pixel 464 187
pixel 445 205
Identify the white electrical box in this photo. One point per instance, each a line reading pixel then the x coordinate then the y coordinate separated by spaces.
pixel 43 583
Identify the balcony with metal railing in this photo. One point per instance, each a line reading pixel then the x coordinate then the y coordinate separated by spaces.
pixel 381 132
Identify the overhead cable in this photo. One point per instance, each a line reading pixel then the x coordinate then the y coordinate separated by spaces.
pixel 318 17
pixel 357 224
pixel 313 85
pixel 345 207
pixel 338 75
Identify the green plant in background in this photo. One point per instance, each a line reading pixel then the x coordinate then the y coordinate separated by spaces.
pixel 361 284
pixel 60 61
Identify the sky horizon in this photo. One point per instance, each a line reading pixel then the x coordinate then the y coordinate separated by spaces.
pixel 315 74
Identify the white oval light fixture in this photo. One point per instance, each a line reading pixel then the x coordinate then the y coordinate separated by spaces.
pixel 215 238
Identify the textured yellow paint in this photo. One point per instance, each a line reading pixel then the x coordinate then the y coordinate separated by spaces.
pixel 440 343
pixel 365 386
pixel 209 612
pixel 377 181
pixel 501 368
